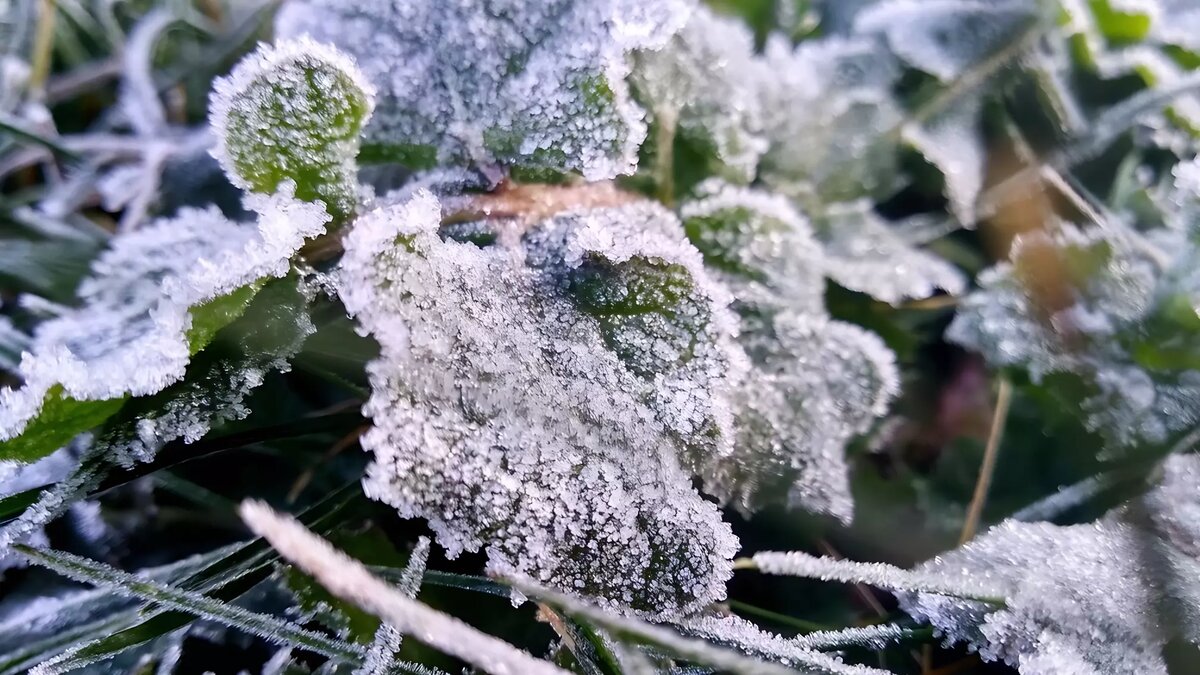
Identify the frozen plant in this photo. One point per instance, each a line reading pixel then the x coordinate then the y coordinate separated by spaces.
pixel 604 292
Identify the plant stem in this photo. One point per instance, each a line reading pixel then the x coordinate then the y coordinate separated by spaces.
pixel 988 468
pixel 664 155
pixel 43 47
pixel 776 617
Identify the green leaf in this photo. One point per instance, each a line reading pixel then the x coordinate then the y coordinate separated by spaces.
pixel 294 112
pixel 62 418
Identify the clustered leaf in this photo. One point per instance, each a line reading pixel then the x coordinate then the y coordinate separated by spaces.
pixel 533 85
pixel 1097 306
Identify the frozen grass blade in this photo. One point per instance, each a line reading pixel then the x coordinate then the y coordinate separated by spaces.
pixel 881 575
pixel 381 655
pixel 267 627
pixel 691 649
pixel 349 580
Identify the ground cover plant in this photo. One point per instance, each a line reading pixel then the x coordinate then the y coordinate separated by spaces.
pixel 605 337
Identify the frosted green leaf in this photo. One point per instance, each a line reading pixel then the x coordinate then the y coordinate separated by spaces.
pixel 630 268
pixel 947 37
pixel 293 112
pixel 218 380
pixel 759 246
pixel 150 301
pixel 705 84
pixel 1083 303
pixel 530 84
pixel 953 142
pixel 865 254
pixel 1080 598
pixel 503 418
pixel 826 111
pixel 814 383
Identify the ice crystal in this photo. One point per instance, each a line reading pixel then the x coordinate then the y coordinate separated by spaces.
pixel 293 112
pixel 503 417
pixel 1078 303
pixel 132 333
pixel 814 384
pixel 533 84
pixel 706 85
pixel 1080 598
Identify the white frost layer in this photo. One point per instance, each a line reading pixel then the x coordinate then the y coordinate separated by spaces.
pixel 129 336
pixel 502 418
pixel 514 82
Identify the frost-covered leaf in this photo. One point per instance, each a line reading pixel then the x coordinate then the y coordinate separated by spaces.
pixel 704 85
pixel 271 331
pixel 1080 598
pixel 827 111
pixel 293 112
pixel 348 579
pixel 863 253
pixel 502 415
pixel 759 246
pixel 952 140
pixel 530 84
pixel 1094 305
pixel 154 298
pixel 814 383
pixel 947 37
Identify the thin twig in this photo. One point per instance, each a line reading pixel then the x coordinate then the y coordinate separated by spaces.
pixel 988 468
